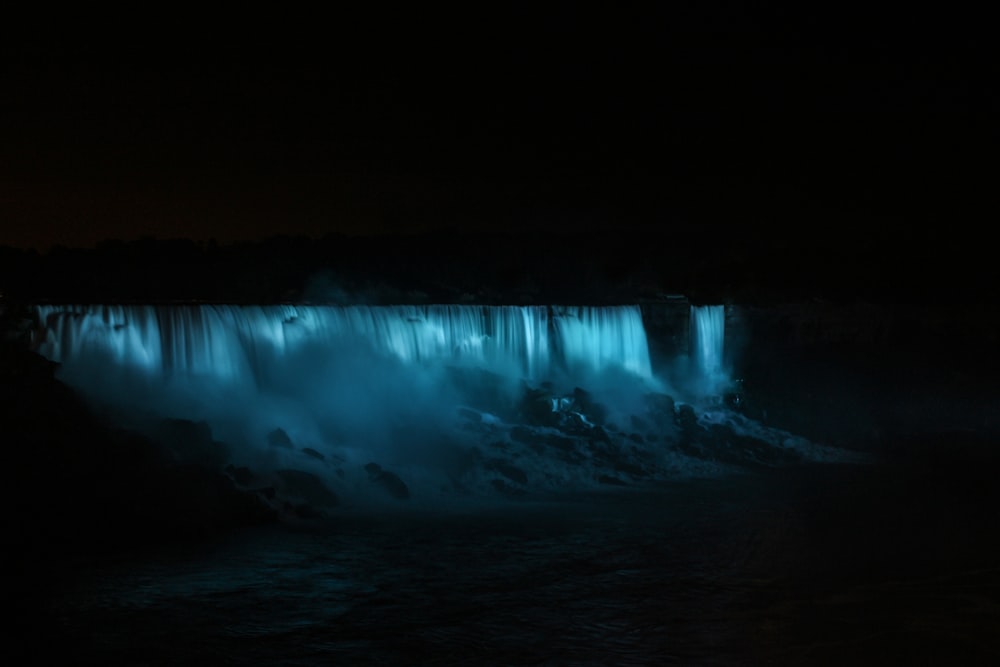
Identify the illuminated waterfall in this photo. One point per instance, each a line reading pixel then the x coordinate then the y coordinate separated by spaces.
pixel 600 338
pixel 708 328
pixel 334 389
pixel 249 343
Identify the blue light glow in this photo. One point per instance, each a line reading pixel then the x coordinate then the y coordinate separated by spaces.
pixel 453 396
pixel 708 329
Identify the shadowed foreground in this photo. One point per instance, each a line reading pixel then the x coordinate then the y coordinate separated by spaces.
pixel 818 566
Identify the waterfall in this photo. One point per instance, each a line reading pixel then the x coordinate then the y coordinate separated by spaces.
pixel 249 343
pixel 598 338
pixel 708 325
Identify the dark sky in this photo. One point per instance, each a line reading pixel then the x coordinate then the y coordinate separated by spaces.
pixel 717 116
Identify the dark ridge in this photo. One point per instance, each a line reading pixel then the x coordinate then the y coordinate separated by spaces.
pixel 712 265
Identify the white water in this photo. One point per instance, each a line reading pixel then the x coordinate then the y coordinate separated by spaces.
pixel 250 343
pixel 708 329
pixel 362 377
pixel 351 385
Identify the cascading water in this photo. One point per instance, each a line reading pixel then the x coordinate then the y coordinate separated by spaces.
pixel 249 343
pixel 600 338
pixel 455 397
pixel 708 328
pixel 328 373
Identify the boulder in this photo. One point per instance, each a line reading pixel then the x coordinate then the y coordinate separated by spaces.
pixel 309 451
pixel 390 482
pixel 662 409
pixel 278 438
pixel 538 407
pixel 307 487
pixel 584 403
pixel 190 442
pixel 511 472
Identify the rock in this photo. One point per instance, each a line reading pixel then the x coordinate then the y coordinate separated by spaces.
pixel 574 423
pixel 509 471
pixel 389 481
pixel 306 486
pixel 662 410
pixel 638 423
pixel 241 475
pixel 687 419
pixel 599 435
pixel 506 489
pixel 584 403
pixel 523 434
pixel 278 438
pixel 608 479
pixel 537 408
pixel 561 443
pixel 190 442
pixel 629 468
pixel 658 403
pixel 302 511
pixel 309 451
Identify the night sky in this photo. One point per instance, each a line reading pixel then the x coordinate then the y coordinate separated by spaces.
pixel 716 118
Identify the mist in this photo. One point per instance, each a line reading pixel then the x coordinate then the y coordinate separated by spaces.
pixel 422 391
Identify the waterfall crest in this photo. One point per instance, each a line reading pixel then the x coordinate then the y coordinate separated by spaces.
pixel 249 342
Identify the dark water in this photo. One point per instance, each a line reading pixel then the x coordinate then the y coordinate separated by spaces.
pixel 814 565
